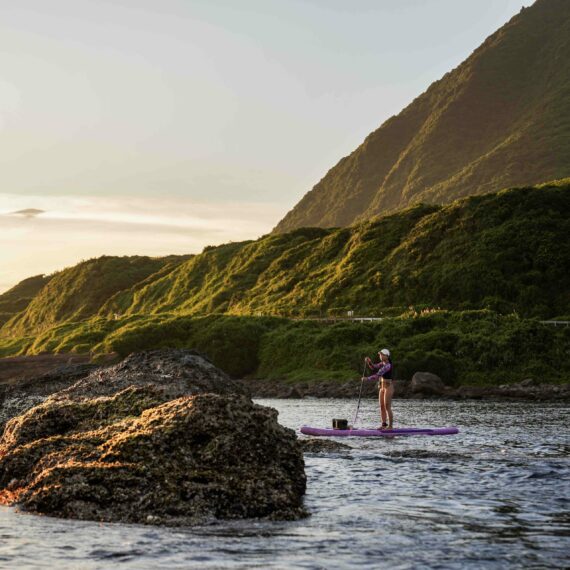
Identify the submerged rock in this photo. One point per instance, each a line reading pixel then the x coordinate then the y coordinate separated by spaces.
pixel 148 441
pixel 312 445
pixel 426 454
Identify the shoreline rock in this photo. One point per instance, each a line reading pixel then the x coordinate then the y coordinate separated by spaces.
pixel 522 391
pixel 427 384
pixel 162 438
pixel 19 396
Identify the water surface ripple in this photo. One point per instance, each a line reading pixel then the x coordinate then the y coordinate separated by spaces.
pixel 494 496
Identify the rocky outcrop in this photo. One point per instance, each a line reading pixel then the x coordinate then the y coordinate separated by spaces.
pixel 326 389
pixel 427 384
pixel 176 372
pixel 23 394
pixel 260 388
pixel 528 389
pixel 161 438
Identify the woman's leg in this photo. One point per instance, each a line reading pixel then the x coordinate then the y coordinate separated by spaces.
pixel 381 393
pixel 388 393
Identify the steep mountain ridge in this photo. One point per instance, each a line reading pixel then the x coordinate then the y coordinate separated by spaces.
pixel 500 119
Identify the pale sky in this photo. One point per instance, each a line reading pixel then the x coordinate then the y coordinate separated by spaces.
pixel 154 127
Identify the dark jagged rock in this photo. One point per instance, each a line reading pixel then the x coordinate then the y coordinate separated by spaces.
pixel 177 372
pixel 28 392
pixel 427 384
pixel 294 394
pixel 161 438
pixel 525 390
pixel 471 392
pixel 331 389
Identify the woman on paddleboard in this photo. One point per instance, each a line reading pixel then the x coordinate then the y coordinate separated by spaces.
pixel 383 373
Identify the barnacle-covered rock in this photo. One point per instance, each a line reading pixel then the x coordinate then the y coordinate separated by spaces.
pixel 176 372
pixel 148 442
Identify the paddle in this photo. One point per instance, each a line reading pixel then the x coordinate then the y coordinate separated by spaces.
pixel 359 394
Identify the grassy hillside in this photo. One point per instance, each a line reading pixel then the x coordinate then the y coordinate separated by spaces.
pixel 500 119
pixel 80 291
pixel 477 272
pixel 16 299
pixel 507 251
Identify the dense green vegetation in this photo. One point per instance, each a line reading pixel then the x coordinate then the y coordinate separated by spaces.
pixel 500 119
pixel 80 291
pixel 507 252
pixel 16 299
pixel 474 347
pixel 461 288
pixel 464 347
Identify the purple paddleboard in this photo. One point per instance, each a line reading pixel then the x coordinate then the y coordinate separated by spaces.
pixel 361 432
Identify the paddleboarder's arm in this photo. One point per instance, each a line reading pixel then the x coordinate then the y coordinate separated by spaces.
pixel 381 369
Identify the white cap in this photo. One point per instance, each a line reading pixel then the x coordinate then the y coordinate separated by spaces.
pixel 385 351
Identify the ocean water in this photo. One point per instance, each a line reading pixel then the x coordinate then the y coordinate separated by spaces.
pixel 497 495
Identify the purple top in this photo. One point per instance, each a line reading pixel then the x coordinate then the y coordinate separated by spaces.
pixel 380 369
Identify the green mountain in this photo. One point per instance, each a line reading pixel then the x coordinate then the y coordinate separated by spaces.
pixel 506 251
pixel 500 119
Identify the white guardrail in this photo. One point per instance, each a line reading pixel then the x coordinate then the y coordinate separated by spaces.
pixel 370 319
